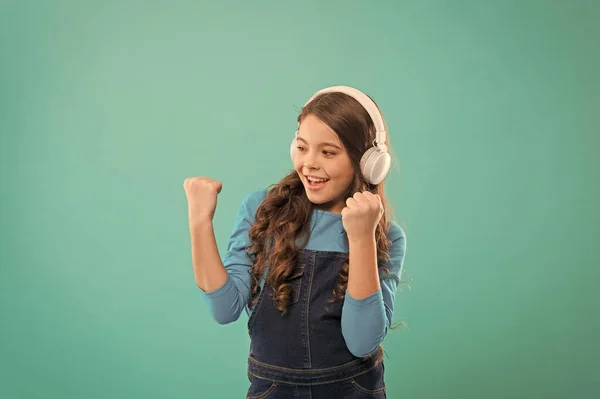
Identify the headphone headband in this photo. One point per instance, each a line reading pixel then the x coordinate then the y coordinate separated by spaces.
pixel 366 102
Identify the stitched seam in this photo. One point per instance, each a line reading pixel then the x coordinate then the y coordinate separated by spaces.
pixel 308 371
pixel 252 317
pixel 296 282
pixel 338 254
pixel 306 383
pixel 364 390
pixel 306 321
pixel 267 392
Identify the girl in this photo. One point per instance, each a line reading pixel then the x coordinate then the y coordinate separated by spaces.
pixel 314 260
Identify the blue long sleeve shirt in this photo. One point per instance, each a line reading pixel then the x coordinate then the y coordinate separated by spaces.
pixel 365 322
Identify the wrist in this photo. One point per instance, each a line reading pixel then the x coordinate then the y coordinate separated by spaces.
pixel 201 223
pixel 361 238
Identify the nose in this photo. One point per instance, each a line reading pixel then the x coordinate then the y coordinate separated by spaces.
pixel 310 161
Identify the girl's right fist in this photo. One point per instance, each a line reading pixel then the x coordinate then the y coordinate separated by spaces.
pixel 201 193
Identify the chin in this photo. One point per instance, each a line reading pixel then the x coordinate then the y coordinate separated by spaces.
pixel 316 199
pixel 321 202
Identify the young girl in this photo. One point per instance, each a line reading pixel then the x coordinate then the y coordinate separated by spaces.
pixel 314 261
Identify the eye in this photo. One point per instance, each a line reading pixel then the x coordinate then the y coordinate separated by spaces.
pixel 328 153
pixel 300 148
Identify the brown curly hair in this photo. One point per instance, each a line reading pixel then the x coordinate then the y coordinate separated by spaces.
pixel 284 216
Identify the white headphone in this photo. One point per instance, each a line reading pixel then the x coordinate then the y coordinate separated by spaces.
pixel 375 162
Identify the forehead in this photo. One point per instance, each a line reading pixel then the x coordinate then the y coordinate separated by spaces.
pixel 315 131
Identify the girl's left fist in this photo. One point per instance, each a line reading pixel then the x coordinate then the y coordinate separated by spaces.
pixel 362 214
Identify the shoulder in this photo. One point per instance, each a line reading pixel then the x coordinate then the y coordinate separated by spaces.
pixel 255 198
pixel 397 249
pixel 246 215
pixel 251 202
pixel 396 234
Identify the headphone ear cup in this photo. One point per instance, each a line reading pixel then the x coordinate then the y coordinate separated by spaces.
pixel 374 165
pixel 293 148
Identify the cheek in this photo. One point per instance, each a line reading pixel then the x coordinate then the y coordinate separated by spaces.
pixel 297 164
pixel 345 178
pixel 341 171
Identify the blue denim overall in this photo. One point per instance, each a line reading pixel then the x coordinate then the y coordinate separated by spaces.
pixel 303 354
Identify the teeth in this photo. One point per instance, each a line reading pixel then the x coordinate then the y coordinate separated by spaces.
pixel 316 180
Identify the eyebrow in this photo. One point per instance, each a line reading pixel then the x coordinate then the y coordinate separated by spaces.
pixel 322 144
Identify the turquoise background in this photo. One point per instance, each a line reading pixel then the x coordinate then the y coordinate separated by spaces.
pixel 107 106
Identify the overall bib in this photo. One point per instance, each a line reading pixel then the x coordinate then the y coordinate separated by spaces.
pixel 303 354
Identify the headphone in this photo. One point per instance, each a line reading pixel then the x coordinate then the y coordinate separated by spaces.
pixel 375 162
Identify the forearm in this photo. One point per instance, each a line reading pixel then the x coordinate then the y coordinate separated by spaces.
pixel 209 271
pixel 364 323
pixel 363 315
pixel 363 276
pixel 367 313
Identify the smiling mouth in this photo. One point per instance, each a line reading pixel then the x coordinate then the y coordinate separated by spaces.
pixel 315 184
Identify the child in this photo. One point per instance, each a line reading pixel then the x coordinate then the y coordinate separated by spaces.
pixel 314 261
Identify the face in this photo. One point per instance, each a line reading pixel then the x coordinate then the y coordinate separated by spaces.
pixel 320 156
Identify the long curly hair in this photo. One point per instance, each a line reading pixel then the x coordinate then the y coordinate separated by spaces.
pixel 283 218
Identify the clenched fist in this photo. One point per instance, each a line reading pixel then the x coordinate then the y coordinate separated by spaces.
pixel 201 195
pixel 362 214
